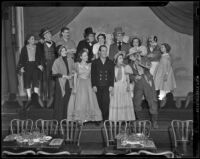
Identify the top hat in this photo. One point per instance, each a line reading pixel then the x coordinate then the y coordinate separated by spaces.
pixel 145 63
pixel 118 30
pixel 43 31
pixel 88 31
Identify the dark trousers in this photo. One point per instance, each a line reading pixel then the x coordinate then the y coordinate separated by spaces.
pixel 48 83
pixel 31 75
pixel 143 88
pixel 103 98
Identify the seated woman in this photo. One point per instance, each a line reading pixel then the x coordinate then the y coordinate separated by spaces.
pixel 62 70
pixel 29 65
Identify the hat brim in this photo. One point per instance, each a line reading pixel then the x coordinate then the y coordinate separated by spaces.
pixel 138 52
pixel 45 32
pixel 115 33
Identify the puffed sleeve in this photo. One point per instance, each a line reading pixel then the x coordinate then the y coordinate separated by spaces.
pixel 128 70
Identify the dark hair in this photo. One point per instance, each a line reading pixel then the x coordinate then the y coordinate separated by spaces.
pixel 28 36
pixel 139 41
pixel 155 38
pixel 102 46
pixel 59 49
pixel 81 53
pixel 115 60
pixel 167 46
pixel 104 36
pixel 62 30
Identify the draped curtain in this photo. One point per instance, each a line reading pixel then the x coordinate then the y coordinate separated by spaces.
pixel 177 15
pixel 54 18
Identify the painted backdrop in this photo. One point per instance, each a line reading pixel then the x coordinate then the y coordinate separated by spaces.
pixel 140 21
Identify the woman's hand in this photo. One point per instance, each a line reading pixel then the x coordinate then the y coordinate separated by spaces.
pixel 111 91
pixel 95 89
pixel 22 70
pixel 67 77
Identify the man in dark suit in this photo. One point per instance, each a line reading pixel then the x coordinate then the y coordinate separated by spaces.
pixel 87 43
pixel 118 44
pixel 102 77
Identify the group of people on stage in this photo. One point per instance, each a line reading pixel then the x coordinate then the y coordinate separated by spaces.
pixel 96 81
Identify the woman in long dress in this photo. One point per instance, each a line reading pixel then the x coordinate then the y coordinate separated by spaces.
pixel 164 75
pixel 62 70
pixel 83 103
pixel 121 105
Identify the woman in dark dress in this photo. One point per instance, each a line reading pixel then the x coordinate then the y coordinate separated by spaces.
pixel 62 70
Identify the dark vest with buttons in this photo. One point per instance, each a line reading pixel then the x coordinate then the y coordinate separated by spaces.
pixel 50 52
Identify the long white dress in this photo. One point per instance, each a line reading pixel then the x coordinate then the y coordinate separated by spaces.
pixel 121 104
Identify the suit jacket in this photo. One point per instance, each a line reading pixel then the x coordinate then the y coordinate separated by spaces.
pixel 156 52
pixel 114 49
pixel 102 74
pixel 84 44
pixel 23 59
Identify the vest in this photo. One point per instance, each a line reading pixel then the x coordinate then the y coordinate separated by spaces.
pixel 49 52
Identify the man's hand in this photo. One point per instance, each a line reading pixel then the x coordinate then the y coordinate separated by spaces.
pixel 67 77
pixel 95 89
pixel 40 67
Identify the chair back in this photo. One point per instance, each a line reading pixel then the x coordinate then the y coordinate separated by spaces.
pixel 112 129
pixel 49 127
pixel 18 126
pixel 182 130
pixel 167 154
pixel 71 131
pixel 139 126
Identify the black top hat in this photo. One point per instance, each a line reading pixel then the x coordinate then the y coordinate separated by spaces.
pixel 88 31
pixel 43 31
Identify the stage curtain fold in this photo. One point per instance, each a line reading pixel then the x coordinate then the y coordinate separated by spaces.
pixel 9 76
pixel 177 15
pixel 54 18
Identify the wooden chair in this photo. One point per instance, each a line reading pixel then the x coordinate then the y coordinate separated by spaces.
pixel 49 127
pixel 182 135
pixel 17 125
pixel 139 126
pixel 133 153
pixel 53 154
pixel 71 133
pixel 112 129
pixel 29 152
pixel 167 154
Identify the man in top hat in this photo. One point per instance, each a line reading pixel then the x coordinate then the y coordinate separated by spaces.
pixel 49 54
pixel 144 85
pixel 87 42
pixel 118 45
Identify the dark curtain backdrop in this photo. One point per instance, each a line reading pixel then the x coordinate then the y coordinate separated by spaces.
pixel 54 18
pixel 177 15
pixel 8 76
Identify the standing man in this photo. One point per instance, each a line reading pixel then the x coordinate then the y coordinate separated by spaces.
pixel 153 53
pixel 118 44
pixel 66 41
pixel 48 52
pixel 87 43
pixel 102 77
pixel 144 86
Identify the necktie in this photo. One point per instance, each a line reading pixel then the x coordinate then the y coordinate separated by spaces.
pixel 119 46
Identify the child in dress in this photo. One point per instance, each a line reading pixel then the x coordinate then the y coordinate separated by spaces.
pixel 164 75
pixel 83 104
pixel 121 105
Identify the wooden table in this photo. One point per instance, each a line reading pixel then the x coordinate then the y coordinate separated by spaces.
pixel 148 145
